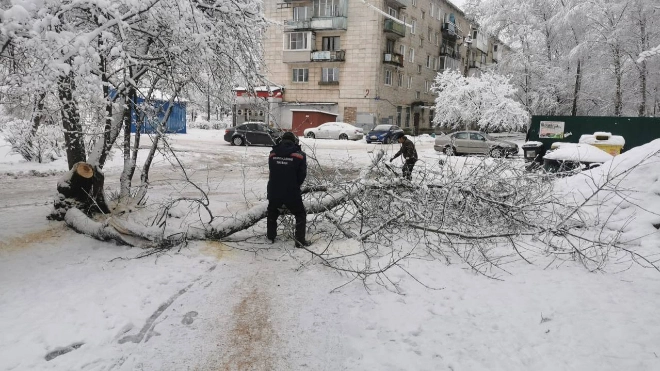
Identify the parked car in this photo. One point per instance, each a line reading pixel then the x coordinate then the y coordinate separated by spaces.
pixel 251 133
pixel 384 134
pixel 335 130
pixel 474 142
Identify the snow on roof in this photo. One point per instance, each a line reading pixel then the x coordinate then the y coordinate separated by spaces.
pixel 313 110
pixel 578 152
pixel 260 88
pixel 613 139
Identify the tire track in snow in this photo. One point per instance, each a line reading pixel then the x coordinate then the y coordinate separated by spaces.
pixel 252 335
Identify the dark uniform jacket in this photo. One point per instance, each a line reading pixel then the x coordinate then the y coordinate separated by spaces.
pixel 288 169
pixel 407 150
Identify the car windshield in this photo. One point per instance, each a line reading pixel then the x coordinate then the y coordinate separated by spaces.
pixel 382 128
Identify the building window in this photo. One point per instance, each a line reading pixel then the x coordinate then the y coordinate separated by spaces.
pixel 432 14
pixel 428 61
pixel 300 74
pixel 300 13
pixel 407 117
pixel 418 95
pixel 423 14
pixel 389 46
pixel 392 12
pixel 328 8
pixel 474 35
pixel 399 112
pixel 330 43
pixel 419 68
pixel 400 80
pixel 296 40
pixel 427 85
pixel 435 63
pixel 411 55
pixel 388 77
pixel 239 112
pixel 430 34
pixel 330 74
pixel 402 50
pixel 410 82
pixel 437 39
pixel 495 48
pixel 421 41
pixel 413 26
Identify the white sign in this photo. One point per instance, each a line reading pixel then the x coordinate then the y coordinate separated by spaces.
pixel 552 129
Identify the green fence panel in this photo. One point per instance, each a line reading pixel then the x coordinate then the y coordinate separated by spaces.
pixel 635 130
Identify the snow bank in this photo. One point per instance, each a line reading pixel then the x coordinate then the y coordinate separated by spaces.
pixel 578 152
pixel 630 195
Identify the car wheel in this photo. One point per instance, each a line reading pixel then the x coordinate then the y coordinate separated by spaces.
pixel 237 141
pixel 343 137
pixel 450 151
pixel 311 135
pixel 497 153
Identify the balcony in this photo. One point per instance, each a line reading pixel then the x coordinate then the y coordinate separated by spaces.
pixel 329 56
pixel 296 56
pixel 395 28
pixel 393 58
pixel 446 52
pixel 449 30
pixel 400 3
pixel 316 24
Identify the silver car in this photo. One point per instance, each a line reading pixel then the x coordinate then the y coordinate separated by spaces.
pixel 474 142
pixel 334 130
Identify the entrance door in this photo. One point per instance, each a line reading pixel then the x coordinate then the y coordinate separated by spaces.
pixel 416 124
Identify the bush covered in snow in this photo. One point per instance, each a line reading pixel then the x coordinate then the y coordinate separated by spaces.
pixel 44 144
pixel 208 125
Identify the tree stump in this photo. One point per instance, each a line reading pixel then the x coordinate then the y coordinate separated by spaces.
pixel 82 188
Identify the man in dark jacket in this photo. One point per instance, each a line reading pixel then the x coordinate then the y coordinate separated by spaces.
pixel 409 154
pixel 288 168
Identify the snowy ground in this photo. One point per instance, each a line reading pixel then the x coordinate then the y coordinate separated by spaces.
pixel 85 305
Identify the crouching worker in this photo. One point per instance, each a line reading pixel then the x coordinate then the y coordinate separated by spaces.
pixel 288 168
pixel 409 154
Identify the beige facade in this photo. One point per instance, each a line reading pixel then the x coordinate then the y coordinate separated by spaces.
pixel 349 53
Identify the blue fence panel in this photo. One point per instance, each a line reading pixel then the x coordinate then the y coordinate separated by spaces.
pixel 176 123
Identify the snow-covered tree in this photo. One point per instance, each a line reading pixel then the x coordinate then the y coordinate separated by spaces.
pixel 578 57
pixel 485 102
pixel 84 63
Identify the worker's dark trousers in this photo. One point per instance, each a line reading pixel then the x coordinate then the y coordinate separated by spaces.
pixel 297 208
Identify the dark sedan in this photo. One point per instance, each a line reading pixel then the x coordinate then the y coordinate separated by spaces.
pixel 253 133
pixel 384 134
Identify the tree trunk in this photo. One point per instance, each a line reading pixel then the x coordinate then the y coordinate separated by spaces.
pixel 81 188
pixel 125 178
pixel 73 136
pixel 108 137
pixel 618 94
pixel 643 72
pixel 576 91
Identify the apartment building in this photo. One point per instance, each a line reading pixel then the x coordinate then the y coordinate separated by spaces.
pixel 367 62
